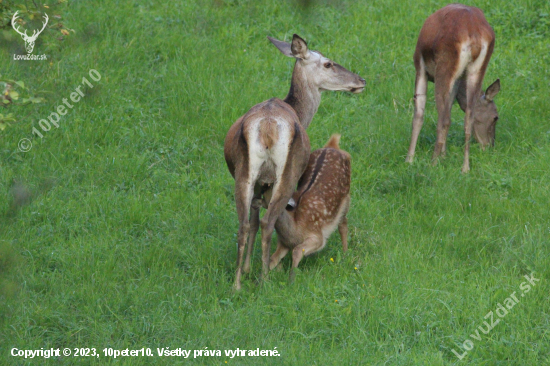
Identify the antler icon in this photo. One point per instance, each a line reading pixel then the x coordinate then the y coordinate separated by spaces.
pixel 29 40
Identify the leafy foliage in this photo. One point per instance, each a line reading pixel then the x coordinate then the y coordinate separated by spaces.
pixel 11 95
pixel 32 12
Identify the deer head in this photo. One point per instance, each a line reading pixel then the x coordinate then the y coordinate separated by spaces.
pixel 29 40
pixel 314 73
pixel 486 116
pixel 321 72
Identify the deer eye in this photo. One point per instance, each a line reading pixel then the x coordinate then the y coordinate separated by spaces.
pixel 328 65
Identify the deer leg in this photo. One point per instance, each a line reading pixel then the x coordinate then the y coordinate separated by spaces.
pixel 454 90
pixel 279 254
pixel 472 94
pixel 287 179
pixel 443 91
pixel 421 86
pixel 309 246
pixel 282 191
pixel 343 230
pixel 243 199
pixel 254 226
pixel 343 226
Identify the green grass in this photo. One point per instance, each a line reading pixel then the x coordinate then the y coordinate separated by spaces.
pixel 129 239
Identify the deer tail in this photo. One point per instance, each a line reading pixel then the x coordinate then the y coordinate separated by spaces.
pixel 333 141
pixel 269 133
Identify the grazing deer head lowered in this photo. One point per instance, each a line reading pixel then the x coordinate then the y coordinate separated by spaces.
pixel 29 40
pixel 453 50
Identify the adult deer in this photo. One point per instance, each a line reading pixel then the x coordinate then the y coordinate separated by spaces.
pixel 268 147
pixel 453 50
pixel 29 40
pixel 322 203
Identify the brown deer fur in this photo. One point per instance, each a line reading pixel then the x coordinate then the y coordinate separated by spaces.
pixel 453 50
pixel 322 203
pixel 257 150
pixel 268 149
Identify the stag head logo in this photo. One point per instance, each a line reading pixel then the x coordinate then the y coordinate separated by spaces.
pixel 29 40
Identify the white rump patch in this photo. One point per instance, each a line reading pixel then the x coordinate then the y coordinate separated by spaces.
pixel 273 159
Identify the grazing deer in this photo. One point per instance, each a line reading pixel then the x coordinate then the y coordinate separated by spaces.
pixel 268 147
pixel 322 203
pixel 29 40
pixel 453 50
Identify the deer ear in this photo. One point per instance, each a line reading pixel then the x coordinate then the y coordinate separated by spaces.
pixel 299 47
pixel 492 90
pixel 284 47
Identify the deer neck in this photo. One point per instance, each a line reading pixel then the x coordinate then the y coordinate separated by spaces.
pixel 286 227
pixel 303 96
pixel 461 95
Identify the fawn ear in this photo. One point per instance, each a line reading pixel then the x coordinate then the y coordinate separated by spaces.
pixel 284 47
pixel 492 90
pixel 299 47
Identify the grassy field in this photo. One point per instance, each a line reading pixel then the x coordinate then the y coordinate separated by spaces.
pixel 121 229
